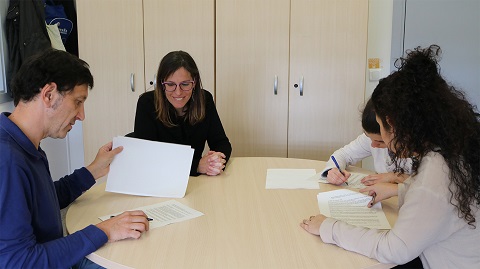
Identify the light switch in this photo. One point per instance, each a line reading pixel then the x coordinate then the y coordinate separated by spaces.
pixel 375 74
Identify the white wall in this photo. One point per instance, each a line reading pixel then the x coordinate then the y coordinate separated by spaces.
pixel 379 40
pixel 379 46
pixel 454 25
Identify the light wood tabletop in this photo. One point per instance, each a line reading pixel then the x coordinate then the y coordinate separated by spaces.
pixel 244 226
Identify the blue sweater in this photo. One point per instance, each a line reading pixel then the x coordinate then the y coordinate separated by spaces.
pixel 31 234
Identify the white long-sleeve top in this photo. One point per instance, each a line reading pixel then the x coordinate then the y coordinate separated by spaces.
pixel 359 149
pixel 427 226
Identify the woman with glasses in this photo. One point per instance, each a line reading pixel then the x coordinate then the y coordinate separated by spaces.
pixel 370 143
pixel 179 111
pixel 422 116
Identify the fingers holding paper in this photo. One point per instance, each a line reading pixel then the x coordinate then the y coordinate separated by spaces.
pixel 380 192
pixel 334 176
pixel 129 224
pixel 312 224
pixel 101 165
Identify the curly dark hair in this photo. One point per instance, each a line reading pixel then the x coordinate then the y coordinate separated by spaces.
pixel 428 114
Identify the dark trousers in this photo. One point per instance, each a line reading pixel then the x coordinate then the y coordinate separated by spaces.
pixel 413 264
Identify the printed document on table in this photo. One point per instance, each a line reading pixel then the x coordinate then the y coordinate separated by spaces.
pixel 351 207
pixel 150 168
pixel 290 179
pixel 164 213
pixel 354 181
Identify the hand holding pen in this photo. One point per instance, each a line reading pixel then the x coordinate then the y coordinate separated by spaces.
pixel 129 224
pixel 336 178
pixel 380 192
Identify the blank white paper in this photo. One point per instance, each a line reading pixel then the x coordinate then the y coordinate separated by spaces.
pixel 291 179
pixel 150 168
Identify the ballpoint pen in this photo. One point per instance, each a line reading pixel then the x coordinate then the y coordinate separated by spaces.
pixel 374 195
pixel 338 167
pixel 149 219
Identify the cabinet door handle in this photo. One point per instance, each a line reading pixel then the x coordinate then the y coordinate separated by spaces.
pixel 275 85
pixel 301 86
pixel 132 82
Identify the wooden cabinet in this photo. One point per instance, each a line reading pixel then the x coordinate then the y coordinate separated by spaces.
pixel 255 55
pixel 110 35
pixel 123 41
pixel 186 25
pixel 290 75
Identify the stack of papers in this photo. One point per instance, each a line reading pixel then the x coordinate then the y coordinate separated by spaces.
pixel 351 207
pixel 150 168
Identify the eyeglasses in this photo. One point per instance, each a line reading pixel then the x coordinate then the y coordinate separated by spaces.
pixel 186 86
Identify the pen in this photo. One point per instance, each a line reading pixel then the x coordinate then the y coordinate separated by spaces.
pixel 374 195
pixel 149 219
pixel 338 167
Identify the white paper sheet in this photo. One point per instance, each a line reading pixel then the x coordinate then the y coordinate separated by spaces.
pixel 164 213
pixel 353 180
pixel 290 179
pixel 351 207
pixel 150 168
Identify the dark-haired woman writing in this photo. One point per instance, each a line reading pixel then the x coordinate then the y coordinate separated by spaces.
pixel 179 111
pixel 370 143
pixel 423 117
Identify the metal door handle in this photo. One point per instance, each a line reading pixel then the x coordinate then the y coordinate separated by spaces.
pixel 132 82
pixel 275 85
pixel 301 86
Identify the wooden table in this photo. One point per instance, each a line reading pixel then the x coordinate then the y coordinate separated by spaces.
pixel 244 226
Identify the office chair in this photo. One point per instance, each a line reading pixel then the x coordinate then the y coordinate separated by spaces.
pixel 132 134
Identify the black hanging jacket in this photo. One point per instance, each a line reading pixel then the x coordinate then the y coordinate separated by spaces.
pixel 26 33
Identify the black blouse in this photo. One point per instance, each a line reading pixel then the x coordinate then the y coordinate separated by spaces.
pixel 209 130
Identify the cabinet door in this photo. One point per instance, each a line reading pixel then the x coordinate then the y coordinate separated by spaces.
pixel 110 34
pixel 252 39
pixel 180 25
pixel 328 50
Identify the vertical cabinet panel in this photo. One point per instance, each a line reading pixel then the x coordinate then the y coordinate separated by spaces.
pixel 251 51
pixel 328 49
pixel 322 41
pixel 110 34
pixel 180 25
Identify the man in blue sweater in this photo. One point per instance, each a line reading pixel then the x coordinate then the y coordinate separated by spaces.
pixel 49 94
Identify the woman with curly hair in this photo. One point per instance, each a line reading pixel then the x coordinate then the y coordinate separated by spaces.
pixel 423 117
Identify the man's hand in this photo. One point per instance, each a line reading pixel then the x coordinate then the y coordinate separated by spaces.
pixel 101 165
pixel 129 224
